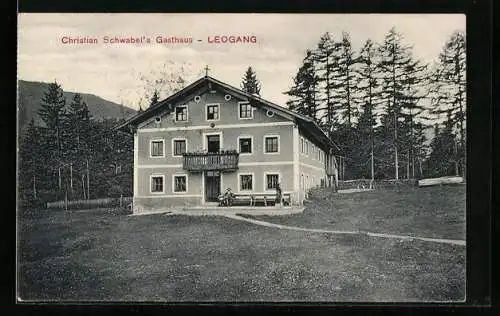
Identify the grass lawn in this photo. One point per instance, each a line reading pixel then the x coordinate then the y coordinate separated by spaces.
pixel 90 255
pixel 436 212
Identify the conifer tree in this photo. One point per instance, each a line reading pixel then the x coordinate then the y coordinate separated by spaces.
pixel 346 81
pixel 154 98
pixel 448 91
pixel 304 93
pixel 30 164
pixel 53 114
pixel 394 60
pixel 250 83
pixel 368 87
pixel 325 57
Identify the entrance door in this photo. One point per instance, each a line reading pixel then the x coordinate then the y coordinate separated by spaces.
pixel 212 186
pixel 213 143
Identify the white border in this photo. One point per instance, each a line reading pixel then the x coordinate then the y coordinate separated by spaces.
pixel 206 112
pixel 173 183
pixel 239 110
pixel 264 143
pixel 173 147
pixel 150 147
pixel 239 181
pixel 280 180
pixel 251 145
pixel 187 112
pixel 156 175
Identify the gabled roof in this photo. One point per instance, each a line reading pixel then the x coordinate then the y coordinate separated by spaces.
pixel 308 124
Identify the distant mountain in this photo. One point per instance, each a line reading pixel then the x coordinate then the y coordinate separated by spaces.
pixel 30 94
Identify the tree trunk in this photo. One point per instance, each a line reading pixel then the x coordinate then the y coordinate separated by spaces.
pixel 420 167
pixel 34 186
pixel 88 181
pixel 83 186
pixel 71 179
pixel 408 166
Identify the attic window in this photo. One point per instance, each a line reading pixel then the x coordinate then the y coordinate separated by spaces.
pixel 270 113
pixel 227 97
pixel 245 110
pixel 181 113
pixel 197 99
pixel 158 119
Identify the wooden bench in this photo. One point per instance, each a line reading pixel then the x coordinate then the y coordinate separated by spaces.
pixel 252 199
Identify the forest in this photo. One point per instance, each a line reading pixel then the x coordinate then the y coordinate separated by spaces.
pixel 380 102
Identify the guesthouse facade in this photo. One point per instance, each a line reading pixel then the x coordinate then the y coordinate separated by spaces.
pixel 211 136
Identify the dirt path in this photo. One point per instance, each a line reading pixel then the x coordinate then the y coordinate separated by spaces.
pixel 325 231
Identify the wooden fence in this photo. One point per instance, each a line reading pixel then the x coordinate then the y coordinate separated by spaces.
pixel 96 203
pixel 376 184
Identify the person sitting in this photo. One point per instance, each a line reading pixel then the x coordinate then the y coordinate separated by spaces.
pixel 227 198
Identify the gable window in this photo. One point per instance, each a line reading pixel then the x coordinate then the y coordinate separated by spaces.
pixel 271 144
pixel 245 144
pixel 181 113
pixel 212 112
pixel 245 111
pixel 272 181
pixel 157 147
pixel 246 182
pixel 180 183
pixel 157 184
pixel 179 147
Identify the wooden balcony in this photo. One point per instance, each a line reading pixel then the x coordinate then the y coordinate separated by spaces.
pixel 223 161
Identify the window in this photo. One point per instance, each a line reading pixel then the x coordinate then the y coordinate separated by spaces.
pixel 246 111
pixel 181 113
pixel 302 145
pixel 180 183
pixel 157 184
pixel 179 147
pixel 246 182
pixel 271 144
pixel 157 148
pixel 212 112
pixel 245 144
pixel 271 181
pixel 307 147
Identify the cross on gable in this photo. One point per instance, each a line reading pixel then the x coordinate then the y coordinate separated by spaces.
pixel 206 70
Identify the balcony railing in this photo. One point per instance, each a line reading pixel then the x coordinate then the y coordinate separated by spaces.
pixel 222 161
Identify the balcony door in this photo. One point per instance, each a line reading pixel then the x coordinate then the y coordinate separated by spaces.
pixel 213 143
pixel 212 186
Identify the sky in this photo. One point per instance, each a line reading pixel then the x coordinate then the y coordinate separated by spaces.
pixel 112 71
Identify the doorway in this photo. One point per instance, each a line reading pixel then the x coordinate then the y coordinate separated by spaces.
pixel 212 186
pixel 213 143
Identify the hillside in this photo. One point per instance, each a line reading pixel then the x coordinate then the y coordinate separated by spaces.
pixel 31 94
